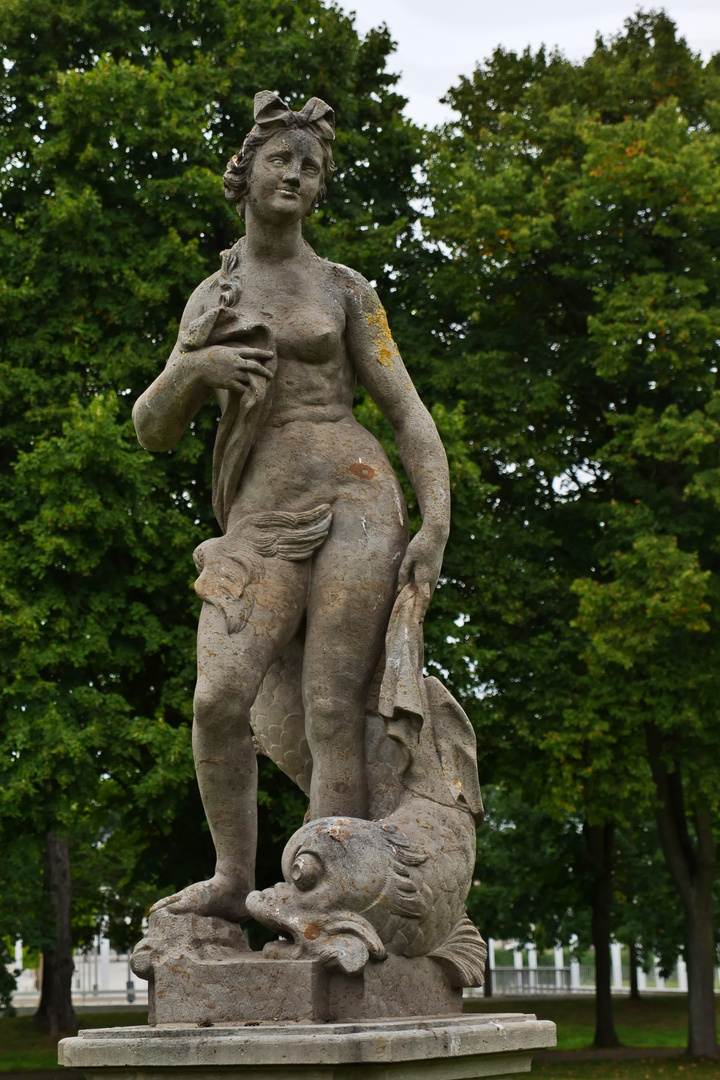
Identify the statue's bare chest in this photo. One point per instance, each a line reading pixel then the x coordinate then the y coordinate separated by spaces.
pixel 306 320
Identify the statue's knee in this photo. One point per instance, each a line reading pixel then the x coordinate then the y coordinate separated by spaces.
pixel 216 706
pixel 332 719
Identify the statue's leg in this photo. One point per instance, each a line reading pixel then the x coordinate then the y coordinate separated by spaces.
pixel 352 590
pixel 231 668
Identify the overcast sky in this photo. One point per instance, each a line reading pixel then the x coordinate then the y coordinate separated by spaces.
pixel 441 39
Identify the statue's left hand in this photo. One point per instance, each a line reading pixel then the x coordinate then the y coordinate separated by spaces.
pixel 422 563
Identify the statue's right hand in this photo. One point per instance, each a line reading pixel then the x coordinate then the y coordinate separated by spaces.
pixel 225 367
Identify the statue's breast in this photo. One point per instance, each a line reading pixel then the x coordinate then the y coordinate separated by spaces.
pixel 305 332
pixel 303 309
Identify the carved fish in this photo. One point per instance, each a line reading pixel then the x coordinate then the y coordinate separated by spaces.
pixel 357 890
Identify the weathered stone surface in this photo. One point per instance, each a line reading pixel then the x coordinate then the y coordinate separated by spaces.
pixel 357 890
pixel 395 987
pixel 234 991
pixel 456 1048
pixel 311 632
pixel 465 1068
pixel 257 988
pixel 176 937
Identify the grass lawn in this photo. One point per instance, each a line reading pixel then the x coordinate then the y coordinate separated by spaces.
pixel 658 1069
pixel 23 1047
pixel 657 1021
pixel 652 1023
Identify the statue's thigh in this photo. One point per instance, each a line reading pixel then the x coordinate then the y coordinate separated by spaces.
pixel 235 663
pixel 352 588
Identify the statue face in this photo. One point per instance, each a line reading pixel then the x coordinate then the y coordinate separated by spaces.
pixel 286 176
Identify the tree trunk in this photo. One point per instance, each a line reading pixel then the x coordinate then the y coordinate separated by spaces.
pixel 600 840
pixel 702 1035
pixel 56 1013
pixel 634 989
pixel 488 984
pixel 692 867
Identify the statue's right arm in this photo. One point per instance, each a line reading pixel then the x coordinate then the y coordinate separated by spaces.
pixel 166 408
pixel 162 413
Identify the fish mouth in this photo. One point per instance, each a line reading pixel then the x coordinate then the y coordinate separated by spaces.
pixel 265 907
pixel 274 908
pixel 341 940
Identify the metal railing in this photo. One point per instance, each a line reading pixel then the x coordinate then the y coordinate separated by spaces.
pixel 573 979
pixel 542 980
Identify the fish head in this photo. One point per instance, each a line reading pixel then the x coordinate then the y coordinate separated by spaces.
pixel 335 870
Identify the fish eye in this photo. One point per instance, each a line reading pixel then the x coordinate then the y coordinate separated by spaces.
pixel 306 871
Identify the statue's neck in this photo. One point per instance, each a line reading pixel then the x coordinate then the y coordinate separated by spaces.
pixel 267 242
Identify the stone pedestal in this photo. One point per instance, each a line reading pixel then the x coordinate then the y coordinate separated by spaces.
pixel 254 987
pixel 201 971
pixel 442 1048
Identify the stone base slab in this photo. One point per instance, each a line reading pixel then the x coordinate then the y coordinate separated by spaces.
pixel 256 988
pixel 442 1048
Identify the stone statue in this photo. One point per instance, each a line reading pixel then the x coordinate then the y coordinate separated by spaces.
pixel 310 633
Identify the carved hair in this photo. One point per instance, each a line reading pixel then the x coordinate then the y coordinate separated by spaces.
pixel 239 167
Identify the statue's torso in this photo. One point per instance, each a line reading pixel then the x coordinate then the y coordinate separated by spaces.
pixel 311 449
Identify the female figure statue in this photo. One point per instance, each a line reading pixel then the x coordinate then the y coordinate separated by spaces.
pixel 315 541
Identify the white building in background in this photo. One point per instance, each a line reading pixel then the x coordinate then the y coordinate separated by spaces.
pixel 524 975
pixel 102 976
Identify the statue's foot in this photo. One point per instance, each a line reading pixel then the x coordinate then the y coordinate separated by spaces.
pixel 216 897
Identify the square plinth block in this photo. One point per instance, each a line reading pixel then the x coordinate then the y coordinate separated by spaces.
pixel 254 988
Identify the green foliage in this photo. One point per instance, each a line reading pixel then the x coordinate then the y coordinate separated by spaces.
pixel 576 211
pixel 8 979
pixel 561 321
pixel 115 127
pixel 533 881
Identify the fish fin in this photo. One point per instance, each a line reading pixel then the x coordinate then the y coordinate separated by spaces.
pixel 404 852
pixel 456 746
pixel 404 897
pixel 348 942
pixel 401 892
pixel 463 954
pixel 410 858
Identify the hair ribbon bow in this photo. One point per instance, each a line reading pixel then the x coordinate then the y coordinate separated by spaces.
pixel 271 109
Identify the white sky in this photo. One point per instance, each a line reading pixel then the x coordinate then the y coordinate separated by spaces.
pixel 441 39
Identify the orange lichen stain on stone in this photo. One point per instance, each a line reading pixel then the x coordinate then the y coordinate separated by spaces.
pixel 365 472
pixel 377 321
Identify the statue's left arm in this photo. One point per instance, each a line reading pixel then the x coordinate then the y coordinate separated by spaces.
pixel 383 374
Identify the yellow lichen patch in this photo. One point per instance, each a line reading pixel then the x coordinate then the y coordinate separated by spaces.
pixel 382 338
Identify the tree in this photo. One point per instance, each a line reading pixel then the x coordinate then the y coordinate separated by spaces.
pixel 115 127
pixel 576 313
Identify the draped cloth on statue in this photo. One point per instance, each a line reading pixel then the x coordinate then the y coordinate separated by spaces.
pixel 422 715
pixel 243 415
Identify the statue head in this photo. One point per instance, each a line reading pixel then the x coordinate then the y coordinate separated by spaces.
pixel 271 116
